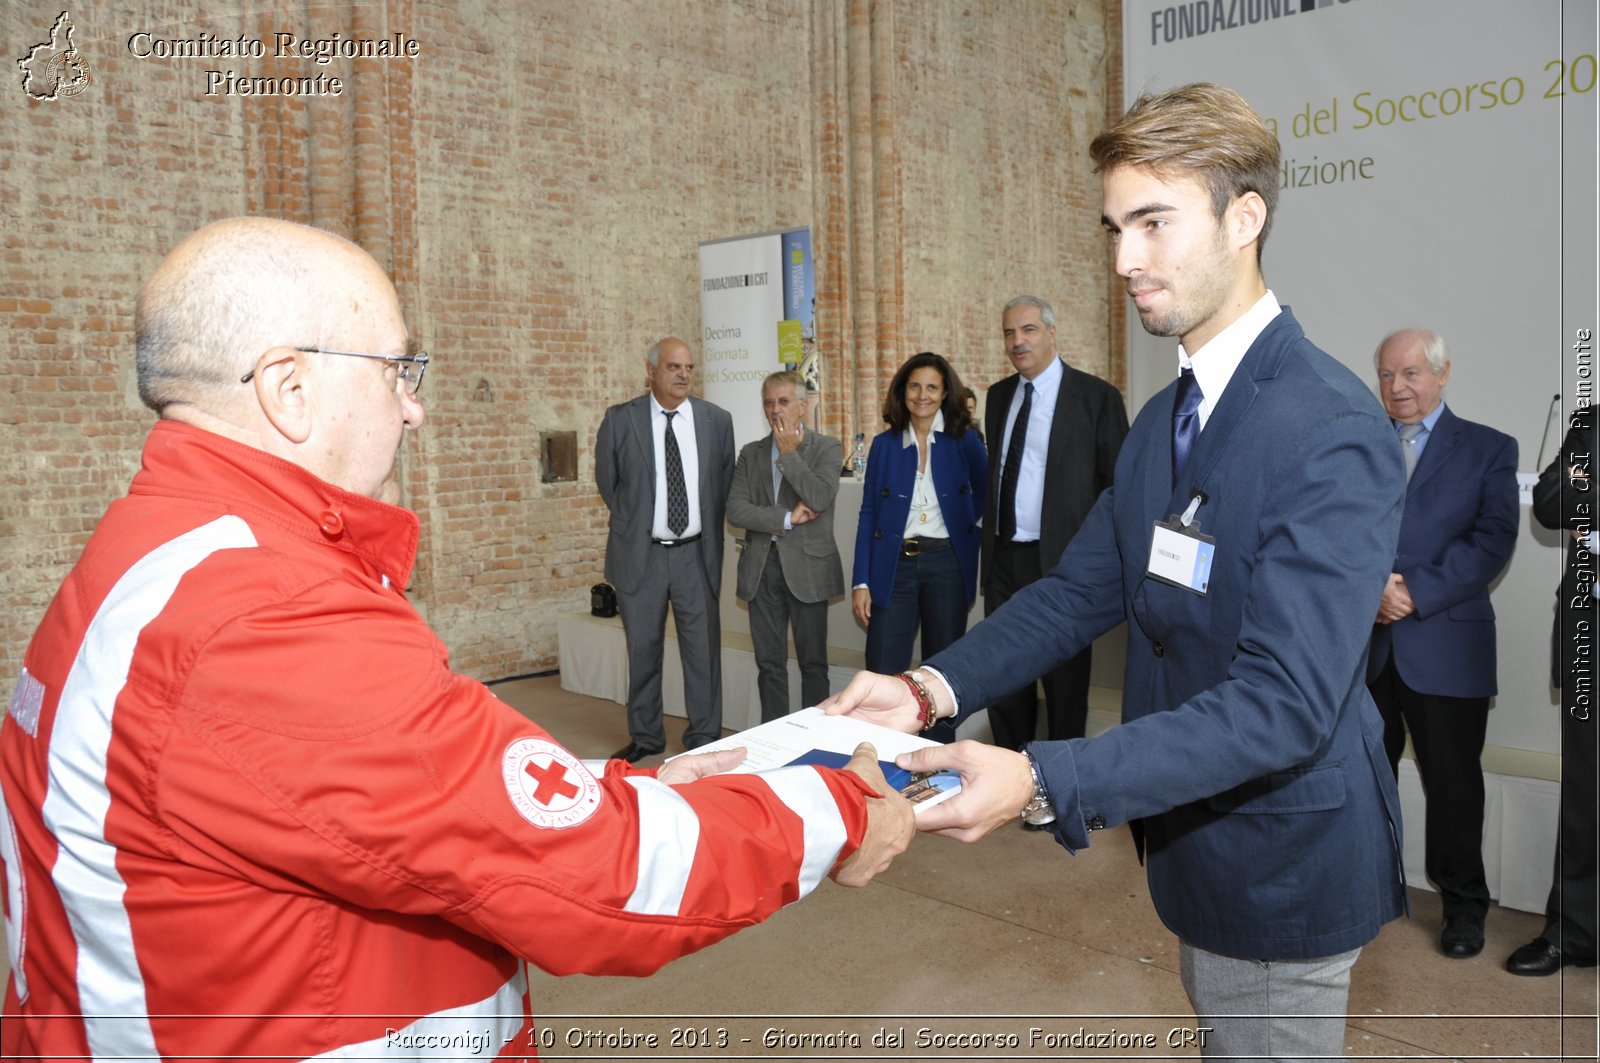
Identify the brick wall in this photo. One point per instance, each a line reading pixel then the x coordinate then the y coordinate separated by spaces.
pixel 538 181
pixel 1000 199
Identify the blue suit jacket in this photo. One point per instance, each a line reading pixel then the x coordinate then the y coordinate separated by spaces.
pixel 961 480
pixel 1459 528
pixel 1250 748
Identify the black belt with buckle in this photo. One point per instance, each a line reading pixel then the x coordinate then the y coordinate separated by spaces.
pixel 669 543
pixel 913 547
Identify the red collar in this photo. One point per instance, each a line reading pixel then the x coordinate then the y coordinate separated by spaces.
pixel 182 461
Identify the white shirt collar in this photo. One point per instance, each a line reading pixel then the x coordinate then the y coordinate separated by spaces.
pixel 908 438
pixel 1226 350
pixel 656 409
pixel 1048 380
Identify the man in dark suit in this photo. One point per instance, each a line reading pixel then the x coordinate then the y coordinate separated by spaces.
pixel 664 464
pixel 783 490
pixel 1432 664
pixel 1053 435
pixel 1246 542
pixel 1565 498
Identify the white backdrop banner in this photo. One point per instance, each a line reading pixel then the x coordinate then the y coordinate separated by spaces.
pixel 1427 145
pixel 1439 171
pixel 741 303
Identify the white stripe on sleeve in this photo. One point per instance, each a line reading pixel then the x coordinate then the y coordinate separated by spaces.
pixel 480 1030
pixel 110 985
pixel 802 789
pixel 669 832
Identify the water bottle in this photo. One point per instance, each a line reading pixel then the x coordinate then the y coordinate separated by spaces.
pixel 858 456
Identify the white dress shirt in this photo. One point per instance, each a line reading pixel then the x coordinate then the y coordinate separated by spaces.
pixel 925 519
pixel 683 432
pixel 1036 447
pixel 1214 363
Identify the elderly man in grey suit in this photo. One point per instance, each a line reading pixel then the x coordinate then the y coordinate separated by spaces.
pixel 664 464
pixel 783 490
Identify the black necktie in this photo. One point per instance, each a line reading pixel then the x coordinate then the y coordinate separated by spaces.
pixel 1185 421
pixel 677 494
pixel 1013 467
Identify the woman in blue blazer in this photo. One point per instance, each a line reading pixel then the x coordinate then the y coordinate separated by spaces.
pixel 917 543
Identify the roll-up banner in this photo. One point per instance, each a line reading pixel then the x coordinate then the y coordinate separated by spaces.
pixel 754 290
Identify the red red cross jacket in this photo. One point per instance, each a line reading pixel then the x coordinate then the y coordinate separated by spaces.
pixel 249 810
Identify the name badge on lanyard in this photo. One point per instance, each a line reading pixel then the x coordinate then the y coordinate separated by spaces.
pixel 1179 553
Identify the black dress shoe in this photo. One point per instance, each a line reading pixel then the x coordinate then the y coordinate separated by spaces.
pixel 1462 937
pixel 633 753
pixel 1538 957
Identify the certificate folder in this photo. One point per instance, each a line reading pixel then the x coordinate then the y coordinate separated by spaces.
pixel 811 736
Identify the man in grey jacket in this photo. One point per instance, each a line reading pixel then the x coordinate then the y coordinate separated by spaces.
pixel 784 485
pixel 665 478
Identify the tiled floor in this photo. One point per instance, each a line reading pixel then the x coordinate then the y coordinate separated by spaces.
pixel 1012 938
pixel 1012 934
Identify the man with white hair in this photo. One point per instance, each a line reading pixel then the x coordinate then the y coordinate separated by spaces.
pixel 664 466
pixel 250 811
pixel 1431 668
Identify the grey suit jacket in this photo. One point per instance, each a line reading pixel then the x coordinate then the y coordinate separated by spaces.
pixel 811 565
pixel 625 469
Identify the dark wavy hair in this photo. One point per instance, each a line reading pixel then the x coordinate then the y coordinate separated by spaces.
pixel 956 418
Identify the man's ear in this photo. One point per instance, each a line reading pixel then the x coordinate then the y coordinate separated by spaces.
pixel 280 383
pixel 1247 215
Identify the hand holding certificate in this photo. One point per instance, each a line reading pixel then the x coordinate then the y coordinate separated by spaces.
pixel 997 782
pixel 811 736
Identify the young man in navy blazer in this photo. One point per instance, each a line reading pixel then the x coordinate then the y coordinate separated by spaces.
pixel 1432 664
pixel 1246 542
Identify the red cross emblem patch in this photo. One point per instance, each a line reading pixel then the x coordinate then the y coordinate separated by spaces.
pixel 548 786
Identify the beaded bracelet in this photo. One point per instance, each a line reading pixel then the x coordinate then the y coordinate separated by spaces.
pixel 919 690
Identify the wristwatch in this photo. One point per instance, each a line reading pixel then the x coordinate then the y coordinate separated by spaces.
pixel 1038 811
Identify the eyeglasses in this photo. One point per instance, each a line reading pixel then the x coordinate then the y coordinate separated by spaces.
pixel 412 366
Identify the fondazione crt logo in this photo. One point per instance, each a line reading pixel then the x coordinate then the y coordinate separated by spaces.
pixel 55 68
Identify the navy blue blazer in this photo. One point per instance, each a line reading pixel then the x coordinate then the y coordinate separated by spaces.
pixel 1458 532
pixel 960 478
pixel 1250 749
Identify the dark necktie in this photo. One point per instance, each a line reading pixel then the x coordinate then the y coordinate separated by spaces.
pixel 1408 443
pixel 677 494
pixel 1013 467
pixel 1185 421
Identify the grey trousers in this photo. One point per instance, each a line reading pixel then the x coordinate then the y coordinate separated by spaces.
pixel 677 575
pixel 773 609
pixel 1268 1009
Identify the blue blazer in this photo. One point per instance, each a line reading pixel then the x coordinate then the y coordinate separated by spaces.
pixel 1250 750
pixel 960 478
pixel 1459 528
